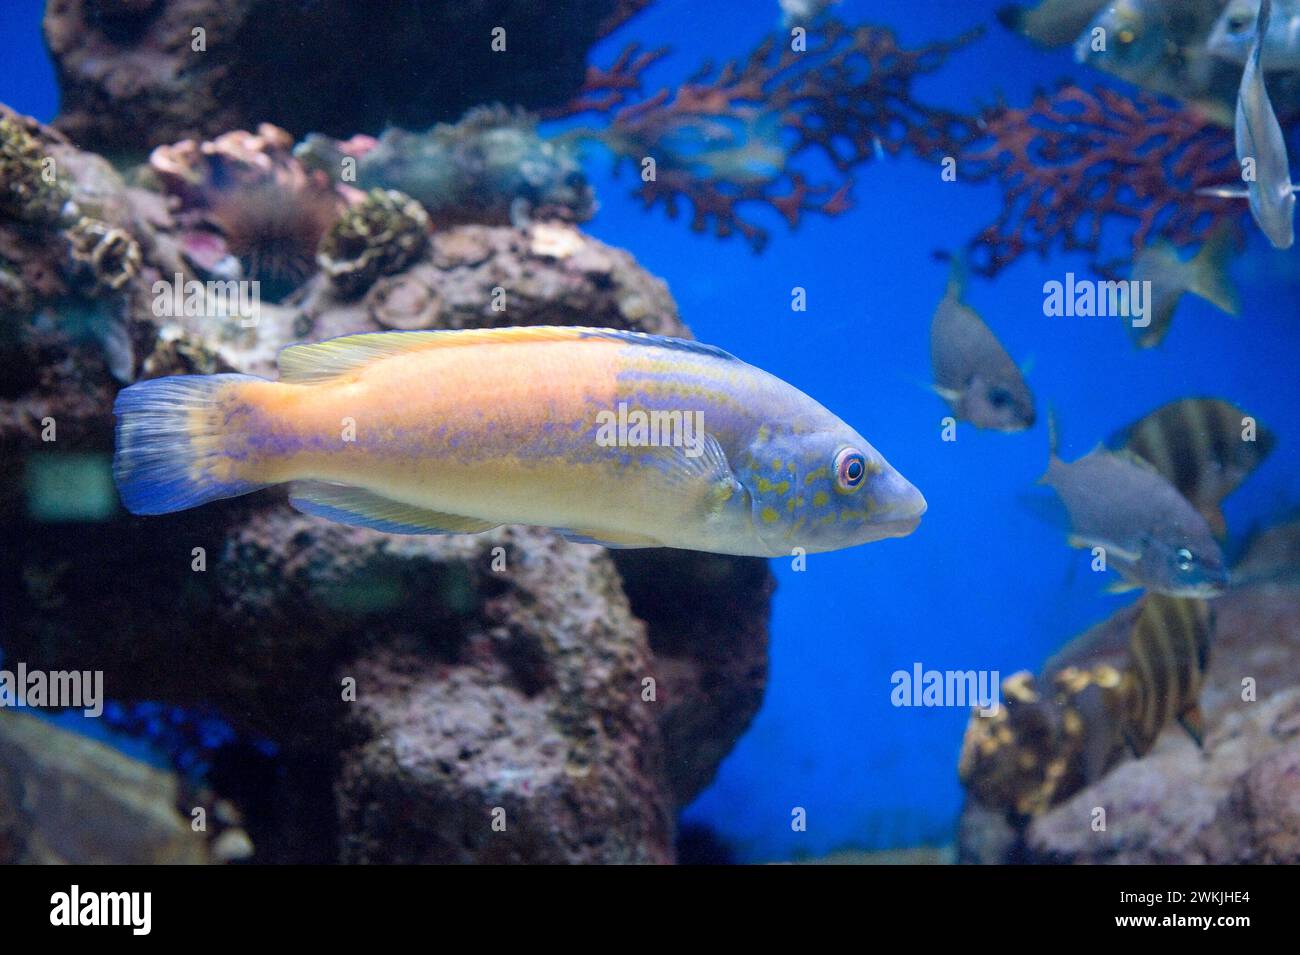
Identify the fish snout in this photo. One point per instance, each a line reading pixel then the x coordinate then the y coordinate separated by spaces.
pixel 896 504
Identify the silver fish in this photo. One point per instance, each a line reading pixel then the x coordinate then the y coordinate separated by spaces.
pixel 1261 148
pixel 972 371
pixel 1234 32
pixel 1149 532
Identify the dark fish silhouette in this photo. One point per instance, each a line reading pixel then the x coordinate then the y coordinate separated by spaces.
pixel 1155 667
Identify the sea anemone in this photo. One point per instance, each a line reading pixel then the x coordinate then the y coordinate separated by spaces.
pixel 274 231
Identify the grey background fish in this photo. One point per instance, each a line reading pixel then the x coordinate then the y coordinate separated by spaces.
pixel 1198 445
pixel 1151 534
pixel 972 371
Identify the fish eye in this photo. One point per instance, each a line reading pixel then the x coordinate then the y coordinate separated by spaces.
pixel 850 469
pixel 1238 24
pixel 1184 558
pixel 999 397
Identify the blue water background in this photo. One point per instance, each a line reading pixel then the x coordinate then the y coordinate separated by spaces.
pixel 982 584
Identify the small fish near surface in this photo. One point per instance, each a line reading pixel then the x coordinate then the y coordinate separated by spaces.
pixel 1150 533
pixel 972 371
pixel 1204 275
pixel 1204 447
pixel 1156 666
pixel 1261 150
pixel 1234 32
pixel 611 437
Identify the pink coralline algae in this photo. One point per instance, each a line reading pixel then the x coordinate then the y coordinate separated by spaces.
pixel 728 140
pixel 1074 161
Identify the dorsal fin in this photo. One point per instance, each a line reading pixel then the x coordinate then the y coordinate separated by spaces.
pixel 305 364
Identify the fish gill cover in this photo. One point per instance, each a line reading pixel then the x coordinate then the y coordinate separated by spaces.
pixel 404 177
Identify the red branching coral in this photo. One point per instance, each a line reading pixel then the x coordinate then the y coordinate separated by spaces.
pixel 1073 160
pixel 623 11
pixel 728 138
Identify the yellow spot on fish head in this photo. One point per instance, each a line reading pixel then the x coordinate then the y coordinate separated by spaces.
pixel 769 515
pixel 821 499
pixel 776 464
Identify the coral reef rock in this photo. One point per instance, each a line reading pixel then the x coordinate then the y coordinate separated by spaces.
pixel 503 697
pixel 138 75
pixel 1234 800
pixel 68 799
pixel 491 168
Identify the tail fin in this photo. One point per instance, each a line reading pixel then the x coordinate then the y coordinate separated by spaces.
pixel 169 451
pixel 1209 270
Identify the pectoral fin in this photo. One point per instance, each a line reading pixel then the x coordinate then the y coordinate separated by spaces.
pixel 361 508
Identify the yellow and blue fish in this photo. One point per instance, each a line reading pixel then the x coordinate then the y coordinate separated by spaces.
pixel 611 437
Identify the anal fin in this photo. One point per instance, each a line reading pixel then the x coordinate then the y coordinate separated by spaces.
pixel 615 540
pixel 344 504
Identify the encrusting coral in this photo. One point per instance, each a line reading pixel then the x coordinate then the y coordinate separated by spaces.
pixel 379 236
pixel 109 256
pixel 29 191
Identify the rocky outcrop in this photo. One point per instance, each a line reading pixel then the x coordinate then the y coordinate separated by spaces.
pixel 503 697
pixel 138 74
pixel 1236 799
pixel 69 800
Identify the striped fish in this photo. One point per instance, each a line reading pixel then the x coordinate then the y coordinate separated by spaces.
pixel 611 437
pixel 1157 662
pixel 1200 445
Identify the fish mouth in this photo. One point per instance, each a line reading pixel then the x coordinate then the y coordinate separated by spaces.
pixel 898 528
pixel 1202 591
pixel 903 515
